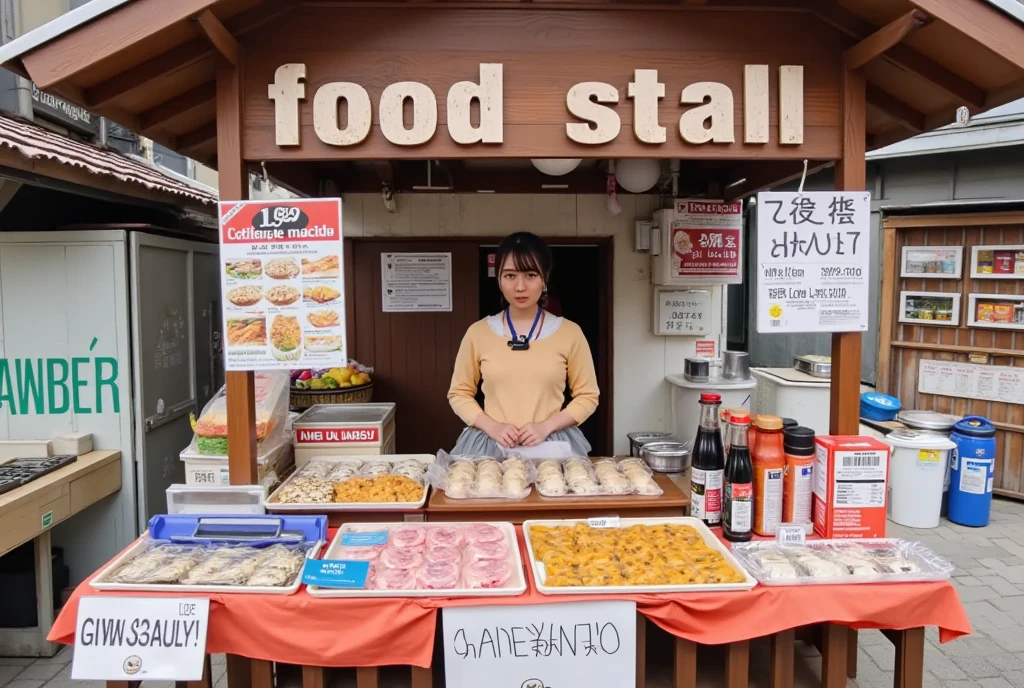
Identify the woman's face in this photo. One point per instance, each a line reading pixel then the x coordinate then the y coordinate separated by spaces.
pixel 521 289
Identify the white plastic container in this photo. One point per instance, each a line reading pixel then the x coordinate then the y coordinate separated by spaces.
pixel 219 499
pixel 789 393
pixel 203 469
pixel 916 473
pixel 344 429
pixel 685 395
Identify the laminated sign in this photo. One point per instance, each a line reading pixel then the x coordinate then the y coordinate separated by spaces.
pixel 541 646
pixel 813 253
pixel 283 284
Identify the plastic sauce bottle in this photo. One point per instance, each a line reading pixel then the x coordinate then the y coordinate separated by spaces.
pixel 726 432
pixel 752 434
pixel 708 465
pixel 798 443
pixel 738 506
pixel 769 475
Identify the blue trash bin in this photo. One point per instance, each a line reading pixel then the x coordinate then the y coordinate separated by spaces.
pixel 974 462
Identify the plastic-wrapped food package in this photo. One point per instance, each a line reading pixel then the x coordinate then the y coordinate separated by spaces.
pixel 224 566
pixel 463 478
pixel 277 567
pixel 486 573
pixel 211 429
pixel 579 477
pixel 409 537
pixel 483 532
pixel 445 536
pixel 486 550
pixel 439 575
pixel 394 579
pixel 443 555
pixel 354 553
pixel 161 563
pixel 401 558
pixel 303 490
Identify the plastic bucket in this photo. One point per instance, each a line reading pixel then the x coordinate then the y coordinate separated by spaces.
pixel 917 471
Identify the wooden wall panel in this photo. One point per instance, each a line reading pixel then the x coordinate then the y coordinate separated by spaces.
pixel 544 53
pixel 905 345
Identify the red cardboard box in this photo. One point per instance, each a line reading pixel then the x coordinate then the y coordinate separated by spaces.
pixel 850 486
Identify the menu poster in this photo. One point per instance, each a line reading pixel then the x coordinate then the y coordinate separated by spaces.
pixel 282 284
pixel 970 381
pixel 706 242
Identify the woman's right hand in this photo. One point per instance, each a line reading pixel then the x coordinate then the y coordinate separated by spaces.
pixel 507 436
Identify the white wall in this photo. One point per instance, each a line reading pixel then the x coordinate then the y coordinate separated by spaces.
pixel 641 359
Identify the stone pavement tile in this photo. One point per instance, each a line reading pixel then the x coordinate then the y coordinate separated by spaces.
pixel 15 661
pixel 40 671
pixel 999 682
pixel 968 581
pixel 941 666
pixel 982 592
pixel 977 667
pixel 1016 678
pixel 19 683
pixel 976 645
pixel 1002 586
pixel 8 672
pixel 883 657
pixel 989 612
pixel 1014 548
pixel 64 680
pixel 1014 574
pixel 959 684
pixel 1010 642
pixel 870 637
pixel 1008 661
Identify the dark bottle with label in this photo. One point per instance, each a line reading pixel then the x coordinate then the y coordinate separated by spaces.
pixel 708 465
pixel 738 504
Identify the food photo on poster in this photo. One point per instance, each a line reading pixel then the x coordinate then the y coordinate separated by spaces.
pixel 283 283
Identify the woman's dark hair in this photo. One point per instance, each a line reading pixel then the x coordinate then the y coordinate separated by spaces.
pixel 527 251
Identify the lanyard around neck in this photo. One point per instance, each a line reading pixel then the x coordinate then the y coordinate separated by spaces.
pixel 518 344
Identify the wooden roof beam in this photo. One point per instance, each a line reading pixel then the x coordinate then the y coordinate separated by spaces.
pixel 902 56
pixel 197 137
pixel 885 38
pixel 982 23
pixel 178 105
pixel 97 41
pixel 220 38
pixel 182 57
pixel 907 116
pixel 763 176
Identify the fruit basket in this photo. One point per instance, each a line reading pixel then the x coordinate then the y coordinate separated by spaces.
pixel 348 385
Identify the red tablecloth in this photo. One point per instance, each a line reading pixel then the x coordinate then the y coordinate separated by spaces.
pixel 300 629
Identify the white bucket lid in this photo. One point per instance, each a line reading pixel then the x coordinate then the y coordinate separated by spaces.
pixel 916 439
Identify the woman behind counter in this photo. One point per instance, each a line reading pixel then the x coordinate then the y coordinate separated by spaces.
pixel 525 356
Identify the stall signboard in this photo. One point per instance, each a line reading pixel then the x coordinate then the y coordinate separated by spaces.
pixel 541 646
pixel 705 242
pixel 283 284
pixel 416 282
pixel 813 261
pixel 140 639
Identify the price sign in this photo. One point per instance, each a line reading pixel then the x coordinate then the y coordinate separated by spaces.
pixel 604 522
pixel 140 639
pixel 682 312
pixel 813 261
pixel 791 534
pixel 336 573
pixel 378 537
pixel 543 645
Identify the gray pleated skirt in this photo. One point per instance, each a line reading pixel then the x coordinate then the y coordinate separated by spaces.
pixel 475 443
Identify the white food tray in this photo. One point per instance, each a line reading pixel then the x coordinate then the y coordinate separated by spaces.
pixel 539 574
pixel 274 507
pixel 139 547
pixel 516 585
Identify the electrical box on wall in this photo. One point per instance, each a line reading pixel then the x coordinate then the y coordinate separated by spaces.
pixel 698 242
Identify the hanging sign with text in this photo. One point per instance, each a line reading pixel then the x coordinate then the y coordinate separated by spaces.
pixel 813 261
pixel 541 646
pixel 140 638
pixel 706 242
pixel 682 312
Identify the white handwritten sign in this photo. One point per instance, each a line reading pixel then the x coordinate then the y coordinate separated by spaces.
pixel 541 646
pixel 682 312
pixel 813 261
pixel 967 380
pixel 140 638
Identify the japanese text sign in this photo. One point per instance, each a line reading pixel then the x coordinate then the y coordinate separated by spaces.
pixel 136 639
pixel 682 312
pixel 706 242
pixel 541 646
pixel 283 284
pixel 813 261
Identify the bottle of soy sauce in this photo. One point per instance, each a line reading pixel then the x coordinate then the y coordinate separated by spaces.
pixel 708 465
pixel 738 503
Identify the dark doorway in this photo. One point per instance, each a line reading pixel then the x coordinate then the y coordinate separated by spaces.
pixel 576 292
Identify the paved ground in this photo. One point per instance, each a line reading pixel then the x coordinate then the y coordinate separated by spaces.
pixel 989 578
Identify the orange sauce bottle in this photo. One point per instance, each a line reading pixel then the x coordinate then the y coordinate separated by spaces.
pixel 769 475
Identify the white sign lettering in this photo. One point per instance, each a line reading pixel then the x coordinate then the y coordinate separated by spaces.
pixel 140 638
pixel 533 646
pixel 592 103
pixel 813 261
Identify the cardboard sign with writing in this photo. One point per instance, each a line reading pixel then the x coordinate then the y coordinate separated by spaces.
pixel 682 312
pixel 541 646
pixel 140 638
pixel 813 261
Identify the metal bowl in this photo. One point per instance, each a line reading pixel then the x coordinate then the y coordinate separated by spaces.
pixel 639 439
pixel 666 457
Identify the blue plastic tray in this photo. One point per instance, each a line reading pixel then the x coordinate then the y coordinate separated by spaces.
pixel 269 529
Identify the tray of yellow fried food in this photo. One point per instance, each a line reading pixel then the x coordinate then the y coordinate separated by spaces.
pixel 572 557
pixel 354 483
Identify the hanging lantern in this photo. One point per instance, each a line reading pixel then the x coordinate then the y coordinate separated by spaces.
pixel 556 167
pixel 638 175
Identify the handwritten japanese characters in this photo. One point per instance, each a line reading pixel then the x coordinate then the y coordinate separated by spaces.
pixel 682 312
pixel 813 252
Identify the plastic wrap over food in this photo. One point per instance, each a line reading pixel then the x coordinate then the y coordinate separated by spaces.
pixel 579 477
pixel 481 478
pixel 211 429
pixel 831 562
pixel 344 480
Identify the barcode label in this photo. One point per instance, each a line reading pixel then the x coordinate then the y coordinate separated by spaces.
pixel 862 461
pixel 790 534
pixel 776 323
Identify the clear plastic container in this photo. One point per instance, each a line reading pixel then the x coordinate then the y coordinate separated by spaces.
pixel 232 499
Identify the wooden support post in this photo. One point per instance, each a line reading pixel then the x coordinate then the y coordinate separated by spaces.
pixel 909 646
pixel 233 177
pixel 737 664
pixel 782 659
pixel 239 672
pixel 367 677
pixel 833 656
pixel 851 653
pixel 641 650
pixel 686 663
pixel 262 673
pixel 422 677
pixel 313 677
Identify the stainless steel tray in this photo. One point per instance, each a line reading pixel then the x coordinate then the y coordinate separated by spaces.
pixel 815 366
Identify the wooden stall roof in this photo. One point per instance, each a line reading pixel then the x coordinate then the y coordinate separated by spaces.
pixel 150 64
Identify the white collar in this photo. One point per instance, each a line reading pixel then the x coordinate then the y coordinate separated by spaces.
pixel 550 326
